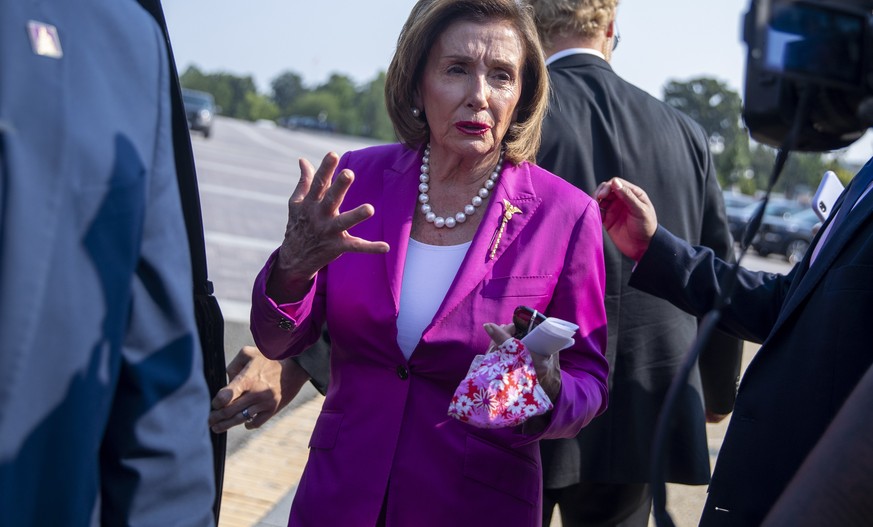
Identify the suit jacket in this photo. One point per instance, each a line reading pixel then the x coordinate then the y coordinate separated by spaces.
pixel 384 424
pixel 814 324
pixel 600 126
pixel 103 403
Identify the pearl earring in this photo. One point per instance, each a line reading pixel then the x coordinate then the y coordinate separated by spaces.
pixel 415 112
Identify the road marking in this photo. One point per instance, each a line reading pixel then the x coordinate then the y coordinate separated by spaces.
pixel 257 136
pixel 265 175
pixel 242 242
pixel 244 194
pixel 235 310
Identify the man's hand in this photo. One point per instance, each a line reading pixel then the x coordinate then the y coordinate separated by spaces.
pixel 258 388
pixel 628 216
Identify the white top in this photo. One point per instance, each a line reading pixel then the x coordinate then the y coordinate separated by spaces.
pixel 427 276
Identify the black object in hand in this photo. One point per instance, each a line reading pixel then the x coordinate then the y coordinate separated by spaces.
pixel 525 319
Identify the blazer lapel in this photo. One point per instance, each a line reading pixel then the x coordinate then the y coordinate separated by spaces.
pixel 514 186
pixel 834 245
pixel 402 180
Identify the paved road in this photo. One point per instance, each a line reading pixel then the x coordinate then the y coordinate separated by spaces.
pixel 246 174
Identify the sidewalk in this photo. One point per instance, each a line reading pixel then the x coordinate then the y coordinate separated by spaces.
pixel 261 475
pixel 263 469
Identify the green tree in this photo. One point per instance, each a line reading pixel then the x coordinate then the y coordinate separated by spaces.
pixel 319 104
pixel 375 122
pixel 194 79
pixel 801 175
pixel 346 117
pixel 717 109
pixel 287 87
pixel 231 92
pixel 261 107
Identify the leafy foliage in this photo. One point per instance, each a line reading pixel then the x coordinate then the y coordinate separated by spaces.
pixel 740 163
pixel 340 106
pixel 337 104
pixel 717 109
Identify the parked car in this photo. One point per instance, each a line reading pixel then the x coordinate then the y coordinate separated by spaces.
pixel 734 201
pixel 776 208
pixel 303 122
pixel 789 236
pixel 200 110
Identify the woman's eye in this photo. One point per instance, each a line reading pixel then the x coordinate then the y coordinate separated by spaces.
pixel 503 76
pixel 456 69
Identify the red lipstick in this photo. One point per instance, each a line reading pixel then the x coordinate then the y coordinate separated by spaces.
pixel 472 127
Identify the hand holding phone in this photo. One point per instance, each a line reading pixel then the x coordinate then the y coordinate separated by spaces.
pixel 525 319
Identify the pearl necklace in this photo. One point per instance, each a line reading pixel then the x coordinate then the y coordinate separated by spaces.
pixel 438 221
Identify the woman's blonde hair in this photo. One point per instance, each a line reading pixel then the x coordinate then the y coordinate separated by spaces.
pixel 427 21
pixel 585 18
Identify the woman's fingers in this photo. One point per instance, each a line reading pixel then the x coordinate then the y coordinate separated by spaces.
pixel 321 180
pixel 499 333
pixel 316 232
pixel 335 195
pixel 304 183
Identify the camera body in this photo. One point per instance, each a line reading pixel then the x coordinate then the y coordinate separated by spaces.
pixel 825 46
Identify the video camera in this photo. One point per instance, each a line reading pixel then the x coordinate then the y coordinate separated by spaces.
pixel 821 45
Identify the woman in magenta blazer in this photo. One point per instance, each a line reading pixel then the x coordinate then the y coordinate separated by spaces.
pixel 405 267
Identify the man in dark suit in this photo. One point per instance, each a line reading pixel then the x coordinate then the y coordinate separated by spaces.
pixel 601 126
pixel 103 402
pixel 813 324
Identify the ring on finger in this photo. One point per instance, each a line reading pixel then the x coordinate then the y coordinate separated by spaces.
pixel 247 416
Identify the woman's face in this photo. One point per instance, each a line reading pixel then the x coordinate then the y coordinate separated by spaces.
pixel 471 86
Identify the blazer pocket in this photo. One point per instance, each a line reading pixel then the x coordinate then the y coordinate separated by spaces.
pixel 326 430
pixel 501 469
pixel 520 286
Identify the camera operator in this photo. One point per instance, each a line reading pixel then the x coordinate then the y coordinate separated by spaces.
pixel 812 323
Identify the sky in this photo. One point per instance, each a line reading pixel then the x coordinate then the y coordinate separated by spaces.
pixel 661 40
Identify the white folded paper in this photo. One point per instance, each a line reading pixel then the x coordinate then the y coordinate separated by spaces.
pixel 550 337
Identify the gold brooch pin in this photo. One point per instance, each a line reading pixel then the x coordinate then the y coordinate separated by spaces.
pixel 509 210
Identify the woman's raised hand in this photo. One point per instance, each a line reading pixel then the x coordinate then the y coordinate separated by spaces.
pixel 317 233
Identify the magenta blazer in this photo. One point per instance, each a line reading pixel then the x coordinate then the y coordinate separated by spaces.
pixel 384 435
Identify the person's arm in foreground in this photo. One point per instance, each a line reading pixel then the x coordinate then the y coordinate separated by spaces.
pixel 156 455
pixel 691 278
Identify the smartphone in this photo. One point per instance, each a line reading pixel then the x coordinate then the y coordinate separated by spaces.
pixel 828 191
pixel 525 319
